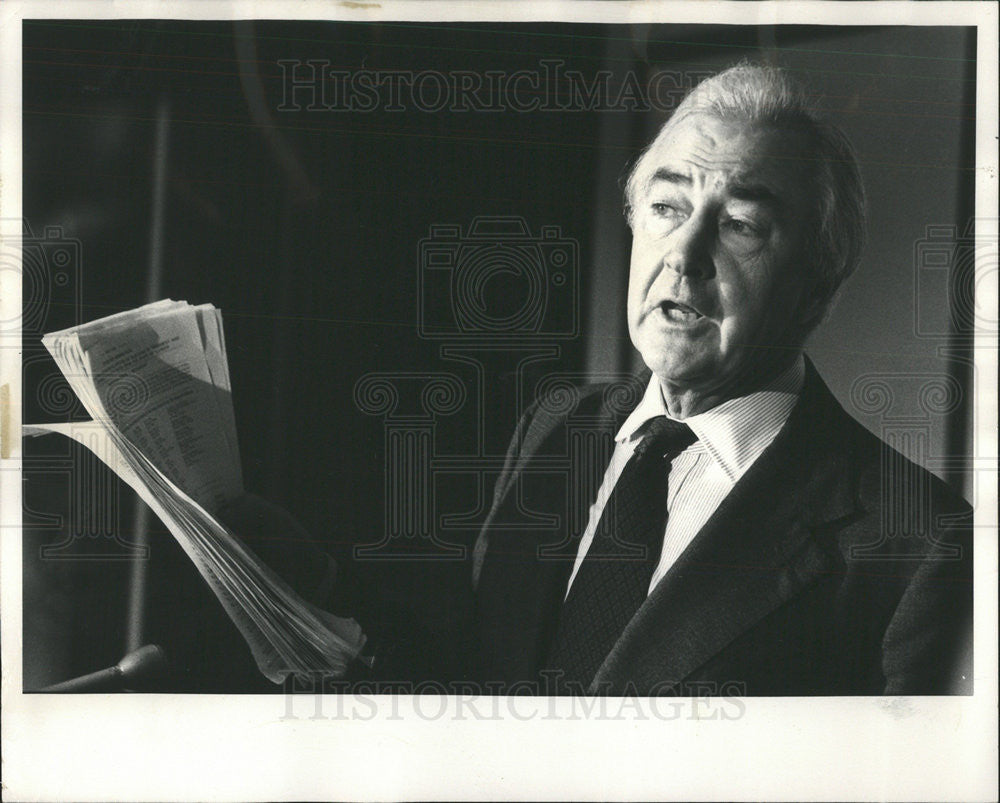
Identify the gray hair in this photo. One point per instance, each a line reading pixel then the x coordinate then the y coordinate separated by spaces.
pixel 767 96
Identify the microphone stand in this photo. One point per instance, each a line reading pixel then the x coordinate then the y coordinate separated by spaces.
pixel 140 668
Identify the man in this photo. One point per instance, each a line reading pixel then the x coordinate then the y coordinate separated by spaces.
pixel 742 536
pixel 726 527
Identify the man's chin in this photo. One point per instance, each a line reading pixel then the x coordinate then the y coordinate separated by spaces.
pixel 684 372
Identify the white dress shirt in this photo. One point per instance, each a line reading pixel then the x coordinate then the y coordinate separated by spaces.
pixel 731 437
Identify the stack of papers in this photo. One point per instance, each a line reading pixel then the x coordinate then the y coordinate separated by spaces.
pixel 155 380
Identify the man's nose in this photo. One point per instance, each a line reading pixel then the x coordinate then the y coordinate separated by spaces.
pixel 689 248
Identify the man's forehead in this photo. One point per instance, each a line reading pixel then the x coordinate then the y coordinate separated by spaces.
pixel 740 154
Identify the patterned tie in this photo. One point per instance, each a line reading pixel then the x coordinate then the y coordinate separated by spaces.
pixel 614 577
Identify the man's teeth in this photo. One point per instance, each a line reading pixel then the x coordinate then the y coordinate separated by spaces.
pixel 673 312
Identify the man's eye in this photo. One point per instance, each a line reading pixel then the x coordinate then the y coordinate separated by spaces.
pixel 741 228
pixel 663 209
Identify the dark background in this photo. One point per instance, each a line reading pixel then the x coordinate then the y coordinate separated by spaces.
pixel 305 226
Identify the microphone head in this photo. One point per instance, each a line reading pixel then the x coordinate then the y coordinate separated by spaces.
pixel 143 667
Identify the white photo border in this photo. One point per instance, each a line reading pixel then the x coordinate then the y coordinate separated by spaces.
pixel 240 747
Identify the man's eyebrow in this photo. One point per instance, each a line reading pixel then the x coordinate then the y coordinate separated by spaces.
pixel 749 191
pixel 672 176
pixel 741 189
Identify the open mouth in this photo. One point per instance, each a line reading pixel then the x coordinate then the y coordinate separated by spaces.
pixel 679 313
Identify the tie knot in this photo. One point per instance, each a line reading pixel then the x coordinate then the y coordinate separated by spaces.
pixel 665 436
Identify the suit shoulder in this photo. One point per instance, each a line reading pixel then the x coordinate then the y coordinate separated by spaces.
pixel 561 398
pixel 897 506
pixel 881 468
pixel 913 511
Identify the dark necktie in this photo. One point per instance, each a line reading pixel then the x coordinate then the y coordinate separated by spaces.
pixel 614 577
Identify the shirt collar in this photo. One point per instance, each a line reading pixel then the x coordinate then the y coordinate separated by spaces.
pixel 735 432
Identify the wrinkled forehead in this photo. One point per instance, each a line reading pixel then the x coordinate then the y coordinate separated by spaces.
pixel 725 153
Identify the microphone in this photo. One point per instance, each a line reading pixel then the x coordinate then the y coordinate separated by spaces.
pixel 139 668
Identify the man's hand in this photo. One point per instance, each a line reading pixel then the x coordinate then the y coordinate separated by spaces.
pixel 284 544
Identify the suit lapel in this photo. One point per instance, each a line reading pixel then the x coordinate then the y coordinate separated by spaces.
pixel 758 550
pixel 528 560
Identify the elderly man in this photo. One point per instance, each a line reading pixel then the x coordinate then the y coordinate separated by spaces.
pixel 725 527
pixel 740 538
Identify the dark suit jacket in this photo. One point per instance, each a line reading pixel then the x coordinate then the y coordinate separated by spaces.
pixel 835 565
